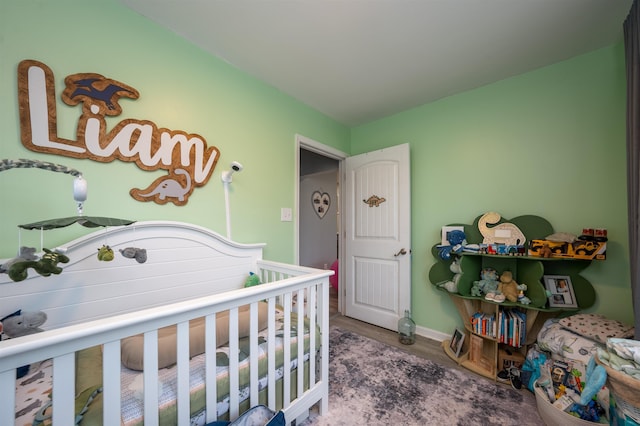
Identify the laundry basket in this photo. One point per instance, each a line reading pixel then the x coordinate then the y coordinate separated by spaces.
pixel 553 416
pixel 625 390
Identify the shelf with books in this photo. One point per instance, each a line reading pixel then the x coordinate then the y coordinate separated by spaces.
pixel 515 327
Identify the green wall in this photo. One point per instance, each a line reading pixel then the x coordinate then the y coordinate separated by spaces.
pixel 181 88
pixel 550 143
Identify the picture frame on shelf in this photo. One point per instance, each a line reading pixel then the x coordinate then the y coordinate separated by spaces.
pixel 561 291
pixel 457 339
pixel 446 230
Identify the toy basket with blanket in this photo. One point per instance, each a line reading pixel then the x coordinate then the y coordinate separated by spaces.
pixel 572 347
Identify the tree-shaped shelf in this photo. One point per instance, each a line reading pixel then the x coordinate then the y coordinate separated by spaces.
pixel 526 269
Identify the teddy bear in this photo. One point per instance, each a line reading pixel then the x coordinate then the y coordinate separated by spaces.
pixel 509 287
pixel 22 323
pixel 452 285
pixel 488 283
pixel 545 251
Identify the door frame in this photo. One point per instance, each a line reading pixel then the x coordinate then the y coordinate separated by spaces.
pixel 303 142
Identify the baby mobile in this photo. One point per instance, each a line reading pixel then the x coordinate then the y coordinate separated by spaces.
pixel 47 264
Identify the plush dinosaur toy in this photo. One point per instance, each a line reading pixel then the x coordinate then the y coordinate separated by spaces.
pixel 45 266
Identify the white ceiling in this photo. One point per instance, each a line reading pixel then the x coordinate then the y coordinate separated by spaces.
pixel 360 60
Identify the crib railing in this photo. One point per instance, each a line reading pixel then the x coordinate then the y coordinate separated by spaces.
pixel 282 284
pixel 315 306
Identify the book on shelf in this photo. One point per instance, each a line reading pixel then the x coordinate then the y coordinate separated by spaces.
pixel 509 328
pixel 484 324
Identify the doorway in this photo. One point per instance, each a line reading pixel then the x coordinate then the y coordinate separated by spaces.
pixel 372 237
pixel 318 203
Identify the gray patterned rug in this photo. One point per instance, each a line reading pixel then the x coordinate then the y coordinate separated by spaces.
pixel 371 383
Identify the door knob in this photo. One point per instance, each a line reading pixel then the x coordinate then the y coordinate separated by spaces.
pixel 401 252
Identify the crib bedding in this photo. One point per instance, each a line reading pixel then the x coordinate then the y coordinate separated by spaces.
pixel 132 347
pixel 33 390
pixel 132 380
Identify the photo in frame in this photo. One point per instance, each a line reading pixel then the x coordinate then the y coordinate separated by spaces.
pixel 561 291
pixel 446 230
pixel 320 201
pixel 456 342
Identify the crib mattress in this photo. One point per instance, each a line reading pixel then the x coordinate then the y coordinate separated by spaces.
pixel 33 391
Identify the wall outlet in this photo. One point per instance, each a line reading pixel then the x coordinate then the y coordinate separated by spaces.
pixel 286 214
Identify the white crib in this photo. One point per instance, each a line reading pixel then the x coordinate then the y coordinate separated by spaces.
pixel 190 273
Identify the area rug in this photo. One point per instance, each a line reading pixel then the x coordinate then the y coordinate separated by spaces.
pixel 371 383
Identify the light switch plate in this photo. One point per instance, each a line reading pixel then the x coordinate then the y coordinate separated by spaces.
pixel 285 214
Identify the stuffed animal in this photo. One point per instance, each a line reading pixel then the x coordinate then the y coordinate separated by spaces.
pixel 521 297
pixel 46 266
pixel 140 255
pixel 252 280
pixel 452 285
pixel 105 253
pixel 509 287
pixel 545 251
pixel 488 283
pixel 25 253
pixel 20 324
pixel 457 241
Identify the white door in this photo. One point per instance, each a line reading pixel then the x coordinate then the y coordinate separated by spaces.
pixel 377 258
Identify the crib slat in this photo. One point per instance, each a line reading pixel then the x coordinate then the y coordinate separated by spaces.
pixel 253 351
pixel 8 400
pixel 271 349
pixel 183 373
pixel 150 378
pixel 111 382
pixel 323 309
pixel 312 335
pixel 211 394
pixel 234 382
pixel 286 378
pixel 300 336
pixel 64 368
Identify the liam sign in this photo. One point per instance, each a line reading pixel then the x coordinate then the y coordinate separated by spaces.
pixel 188 160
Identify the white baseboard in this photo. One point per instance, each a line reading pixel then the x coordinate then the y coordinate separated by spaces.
pixel 432 334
